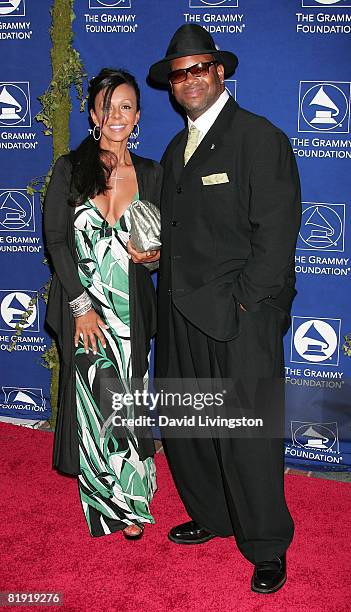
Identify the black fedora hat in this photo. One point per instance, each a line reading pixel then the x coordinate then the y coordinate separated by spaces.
pixel 191 39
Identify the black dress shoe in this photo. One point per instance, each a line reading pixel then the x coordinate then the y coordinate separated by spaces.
pixel 269 576
pixel 189 533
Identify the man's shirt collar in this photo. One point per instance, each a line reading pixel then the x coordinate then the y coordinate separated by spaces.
pixel 207 119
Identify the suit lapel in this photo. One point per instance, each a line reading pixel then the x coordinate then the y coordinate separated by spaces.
pixel 214 137
pixel 178 154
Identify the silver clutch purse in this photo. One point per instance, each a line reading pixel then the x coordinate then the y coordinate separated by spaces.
pixel 145 228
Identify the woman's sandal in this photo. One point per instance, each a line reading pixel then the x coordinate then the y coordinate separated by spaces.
pixel 134 536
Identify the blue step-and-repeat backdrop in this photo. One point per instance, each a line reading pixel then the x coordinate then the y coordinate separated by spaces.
pixel 294 68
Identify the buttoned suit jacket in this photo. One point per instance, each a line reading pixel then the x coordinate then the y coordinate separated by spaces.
pixel 228 243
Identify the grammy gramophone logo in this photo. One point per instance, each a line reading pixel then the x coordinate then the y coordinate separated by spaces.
pixel 15 104
pixel 315 340
pixel 315 436
pixel 31 398
pixel 13 306
pixel 208 4
pixel 322 227
pixel 12 8
pixel 16 211
pixel 326 3
pixel 324 106
pixel 110 4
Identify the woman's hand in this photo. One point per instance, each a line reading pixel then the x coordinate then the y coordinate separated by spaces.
pixel 88 327
pixel 146 257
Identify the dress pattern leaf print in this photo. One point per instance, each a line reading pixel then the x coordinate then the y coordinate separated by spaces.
pixel 115 486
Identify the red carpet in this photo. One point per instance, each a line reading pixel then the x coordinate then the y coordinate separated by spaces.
pixel 46 546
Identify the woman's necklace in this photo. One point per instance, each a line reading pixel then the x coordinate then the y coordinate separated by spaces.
pixel 116 178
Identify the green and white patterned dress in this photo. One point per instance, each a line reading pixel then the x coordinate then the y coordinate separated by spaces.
pixel 115 486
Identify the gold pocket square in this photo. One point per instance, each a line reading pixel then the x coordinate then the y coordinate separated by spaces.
pixel 215 179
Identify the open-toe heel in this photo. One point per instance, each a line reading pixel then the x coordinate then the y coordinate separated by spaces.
pixel 134 536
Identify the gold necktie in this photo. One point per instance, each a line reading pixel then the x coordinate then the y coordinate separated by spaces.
pixel 191 145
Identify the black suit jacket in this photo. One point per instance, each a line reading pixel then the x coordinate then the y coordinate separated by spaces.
pixel 231 242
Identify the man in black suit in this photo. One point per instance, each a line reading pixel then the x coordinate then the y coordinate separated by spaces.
pixel 230 213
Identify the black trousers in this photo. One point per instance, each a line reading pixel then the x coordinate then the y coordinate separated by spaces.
pixel 235 485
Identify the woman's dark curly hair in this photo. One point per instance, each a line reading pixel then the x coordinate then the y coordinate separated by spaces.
pixel 92 166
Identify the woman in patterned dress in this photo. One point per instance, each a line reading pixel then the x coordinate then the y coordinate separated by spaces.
pixel 102 310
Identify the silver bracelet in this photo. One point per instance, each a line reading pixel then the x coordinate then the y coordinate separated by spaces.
pixel 81 305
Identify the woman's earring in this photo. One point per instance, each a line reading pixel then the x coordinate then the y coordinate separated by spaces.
pixel 94 132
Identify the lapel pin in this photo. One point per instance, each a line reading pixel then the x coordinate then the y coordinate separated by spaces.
pixel 212 146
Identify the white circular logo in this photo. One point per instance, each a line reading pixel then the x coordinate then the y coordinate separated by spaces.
pixel 324 107
pixel 315 436
pixel 9 7
pixel 214 2
pixel 328 2
pixel 321 227
pixel 13 307
pixel 110 3
pixel 15 210
pixel 14 104
pixel 315 340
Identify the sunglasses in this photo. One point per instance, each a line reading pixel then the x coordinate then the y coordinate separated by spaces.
pixel 197 70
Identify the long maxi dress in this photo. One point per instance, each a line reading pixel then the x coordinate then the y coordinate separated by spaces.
pixel 118 481
pixel 115 485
